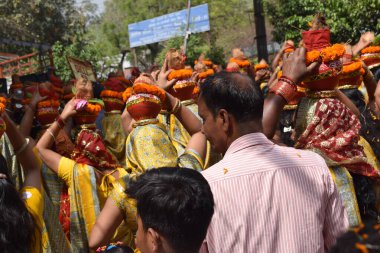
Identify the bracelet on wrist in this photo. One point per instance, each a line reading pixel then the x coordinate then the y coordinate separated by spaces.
pixel 287 80
pixel 23 147
pixel 176 107
pixel 61 123
pixel 51 134
pixel 284 89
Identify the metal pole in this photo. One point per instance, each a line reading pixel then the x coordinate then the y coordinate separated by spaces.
pixel 134 57
pixel 261 37
pixel 187 26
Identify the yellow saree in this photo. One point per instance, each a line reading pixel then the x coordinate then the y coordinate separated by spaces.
pixel 14 168
pixel 149 146
pixel 35 204
pixel 180 137
pixel 87 198
pixel 114 135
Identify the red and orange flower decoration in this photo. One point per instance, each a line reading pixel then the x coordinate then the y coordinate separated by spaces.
pixel 88 110
pixel 371 56
pixel 326 77
pixel 351 74
pixel 47 111
pixel 328 54
pixel 144 101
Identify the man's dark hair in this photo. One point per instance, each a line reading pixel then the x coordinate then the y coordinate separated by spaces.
pixel 236 93
pixel 177 203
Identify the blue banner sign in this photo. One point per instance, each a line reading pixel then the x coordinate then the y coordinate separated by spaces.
pixel 168 26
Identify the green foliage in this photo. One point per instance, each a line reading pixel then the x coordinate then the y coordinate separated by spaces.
pixel 111 34
pixel 376 41
pixel 61 23
pixel 196 45
pixel 79 49
pixel 347 19
pixel 41 21
pixel 217 55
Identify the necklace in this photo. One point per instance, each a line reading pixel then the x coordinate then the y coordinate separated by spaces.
pixel 372 114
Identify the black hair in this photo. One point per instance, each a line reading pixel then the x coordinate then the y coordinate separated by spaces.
pixel 177 203
pixel 356 96
pixel 236 93
pixel 97 89
pixel 16 223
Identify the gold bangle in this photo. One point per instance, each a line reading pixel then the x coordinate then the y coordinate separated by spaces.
pixel 176 107
pixel 23 147
pixel 51 134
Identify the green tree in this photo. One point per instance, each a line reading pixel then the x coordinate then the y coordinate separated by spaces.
pixel 347 19
pixel 61 23
pixel 230 22
pixel 43 21
pixel 196 46
pixel 79 49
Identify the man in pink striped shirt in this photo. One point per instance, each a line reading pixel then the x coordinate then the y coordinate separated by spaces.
pixel 268 198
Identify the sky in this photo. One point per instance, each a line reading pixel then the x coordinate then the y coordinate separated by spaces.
pixel 100 4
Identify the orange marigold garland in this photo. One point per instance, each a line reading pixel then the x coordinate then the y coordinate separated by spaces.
pixel 196 91
pixel 3 100
pixel 180 74
pixel 111 94
pixel 127 93
pixel 289 50
pixel 208 63
pixel 241 63
pixel 150 89
pixel 328 54
pixel 2 108
pixel 48 103
pixel 93 108
pixel 279 73
pixel 371 50
pixel 355 66
pixel 261 66
pixel 206 73
pixel 312 56
pixel 144 88
pixel 332 53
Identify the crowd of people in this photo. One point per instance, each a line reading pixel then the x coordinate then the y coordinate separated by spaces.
pixel 249 158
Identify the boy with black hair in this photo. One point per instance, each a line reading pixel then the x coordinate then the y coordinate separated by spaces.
pixel 174 207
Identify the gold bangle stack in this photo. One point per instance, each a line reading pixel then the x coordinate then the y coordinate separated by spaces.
pixel 176 107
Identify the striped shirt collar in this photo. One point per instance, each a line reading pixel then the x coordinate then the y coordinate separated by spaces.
pixel 248 140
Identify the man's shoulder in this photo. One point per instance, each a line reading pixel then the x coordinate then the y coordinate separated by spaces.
pixel 279 157
pixel 294 154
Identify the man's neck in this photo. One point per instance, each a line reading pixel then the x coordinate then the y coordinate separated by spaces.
pixel 242 129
